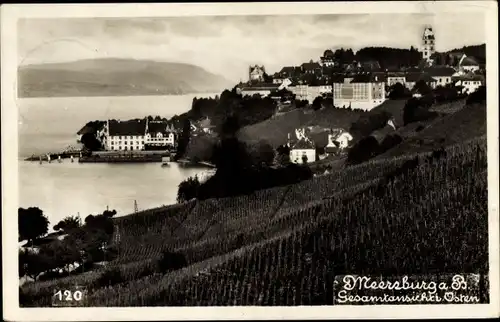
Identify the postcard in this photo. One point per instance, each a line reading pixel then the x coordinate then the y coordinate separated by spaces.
pixel 195 161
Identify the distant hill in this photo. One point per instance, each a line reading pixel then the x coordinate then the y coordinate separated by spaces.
pixel 115 77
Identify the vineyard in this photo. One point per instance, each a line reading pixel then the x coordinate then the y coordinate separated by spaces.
pixel 409 214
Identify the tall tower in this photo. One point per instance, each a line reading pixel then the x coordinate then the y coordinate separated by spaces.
pixel 428 43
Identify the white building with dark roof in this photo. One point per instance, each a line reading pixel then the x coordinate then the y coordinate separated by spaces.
pixel 303 149
pixel 125 135
pixel 159 134
pixel 136 135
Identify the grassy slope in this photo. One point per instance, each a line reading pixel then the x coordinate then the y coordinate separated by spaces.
pixel 465 123
pixel 108 77
pixel 275 130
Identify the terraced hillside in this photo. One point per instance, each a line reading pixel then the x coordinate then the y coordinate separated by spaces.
pixel 284 246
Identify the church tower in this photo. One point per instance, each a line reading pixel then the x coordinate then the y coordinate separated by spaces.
pixel 428 43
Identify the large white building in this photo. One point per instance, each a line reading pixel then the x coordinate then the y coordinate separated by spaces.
pixel 362 91
pixel 137 135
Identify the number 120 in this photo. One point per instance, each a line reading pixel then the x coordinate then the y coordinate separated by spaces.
pixel 67 295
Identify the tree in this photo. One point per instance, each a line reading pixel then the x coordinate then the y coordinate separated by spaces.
pixel 317 103
pixel 69 223
pixel 422 87
pixel 282 157
pixel 399 91
pixel 410 111
pixel 263 153
pixel 188 189
pixel 109 213
pixel 33 264
pixel 183 140
pixel 90 142
pixel 32 223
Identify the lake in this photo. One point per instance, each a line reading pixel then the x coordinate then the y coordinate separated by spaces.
pixel 63 189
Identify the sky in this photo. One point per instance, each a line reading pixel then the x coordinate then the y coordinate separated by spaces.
pixel 227 45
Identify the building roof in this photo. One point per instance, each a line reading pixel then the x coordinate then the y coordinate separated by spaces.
pixel 368 78
pixel 469 61
pixel 303 145
pixel 132 127
pixel 310 66
pixel 396 74
pixel 160 127
pixel 260 87
pixel 289 70
pixel 469 77
pixel 415 77
pixel 440 71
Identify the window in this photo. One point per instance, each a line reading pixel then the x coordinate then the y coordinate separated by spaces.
pixel 432 47
pixel 120 137
pixel 119 148
pixel 426 42
pixel 125 142
pixel 131 148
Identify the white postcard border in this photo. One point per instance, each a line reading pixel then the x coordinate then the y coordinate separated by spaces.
pixel 12 311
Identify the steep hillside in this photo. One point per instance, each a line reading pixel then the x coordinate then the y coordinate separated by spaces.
pixel 284 246
pixel 275 130
pixel 467 122
pixel 115 77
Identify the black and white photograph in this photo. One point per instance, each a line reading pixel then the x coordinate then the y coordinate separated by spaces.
pixel 335 157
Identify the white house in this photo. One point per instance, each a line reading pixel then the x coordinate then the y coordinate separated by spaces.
pixel 159 133
pixel 259 89
pixel 468 64
pixel 343 140
pixel 442 75
pixel 470 82
pixel 303 150
pixel 256 73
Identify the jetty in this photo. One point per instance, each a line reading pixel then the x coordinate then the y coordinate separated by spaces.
pixel 68 153
pixel 189 163
pixel 124 156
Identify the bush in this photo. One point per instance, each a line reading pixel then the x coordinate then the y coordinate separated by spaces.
pixel 389 142
pixel 477 97
pixel 417 110
pixel 364 150
pixel 399 91
pixel 171 261
pixel 368 123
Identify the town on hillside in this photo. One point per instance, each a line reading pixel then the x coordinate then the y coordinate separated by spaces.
pixel 339 79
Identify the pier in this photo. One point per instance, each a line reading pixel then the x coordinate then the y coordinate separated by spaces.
pixel 123 157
